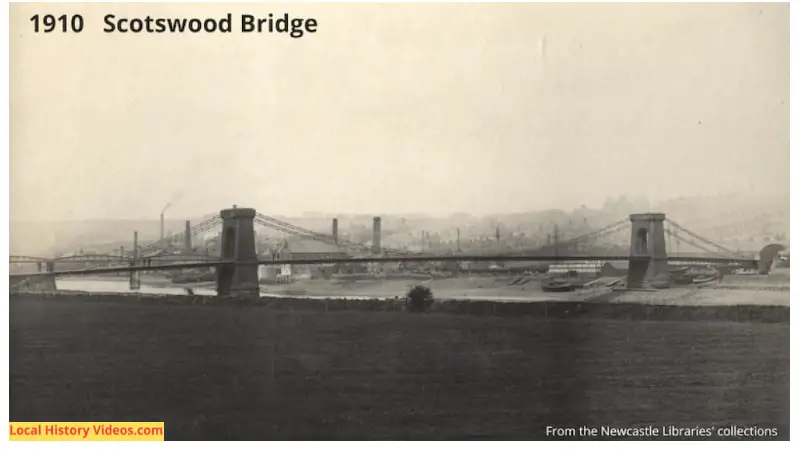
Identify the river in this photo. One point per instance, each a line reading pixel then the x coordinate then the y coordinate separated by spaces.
pixel 118 285
pixel 157 286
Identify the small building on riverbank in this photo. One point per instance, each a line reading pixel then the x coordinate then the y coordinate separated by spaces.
pixel 300 249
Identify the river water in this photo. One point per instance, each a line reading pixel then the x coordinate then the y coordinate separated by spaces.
pixel 116 285
pixel 162 286
pixel 122 286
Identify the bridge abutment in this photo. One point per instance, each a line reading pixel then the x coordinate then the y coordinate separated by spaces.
pixel 32 283
pixel 239 279
pixel 767 257
pixel 648 253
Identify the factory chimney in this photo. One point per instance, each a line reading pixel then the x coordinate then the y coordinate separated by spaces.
pixel 335 230
pixel 376 235
pixel 187 238
pixel 135 245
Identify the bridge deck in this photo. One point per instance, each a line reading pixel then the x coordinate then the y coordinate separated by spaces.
pixel 392 259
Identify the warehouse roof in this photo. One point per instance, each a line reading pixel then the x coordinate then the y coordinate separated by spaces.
pixel 306 245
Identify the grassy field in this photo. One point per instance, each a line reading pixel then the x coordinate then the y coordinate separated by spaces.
pixel 256 373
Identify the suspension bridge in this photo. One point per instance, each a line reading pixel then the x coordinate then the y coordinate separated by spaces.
pixel 236 265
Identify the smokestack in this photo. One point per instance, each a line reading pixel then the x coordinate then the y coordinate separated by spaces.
pixel 458 239
pixel 161 240
pixel 376 235
pixel 335 230
pixel 187 238
pixel 555 238
pixel 134 280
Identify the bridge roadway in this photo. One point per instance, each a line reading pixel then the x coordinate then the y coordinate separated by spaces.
pixel 390 259
pixel 110 258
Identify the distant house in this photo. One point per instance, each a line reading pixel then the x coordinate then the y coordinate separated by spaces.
pixel 581 267
pixel 301 249
pixel 304 249
pixel 451 266
pixel 526 266
pixel 375 268
pixel 476 266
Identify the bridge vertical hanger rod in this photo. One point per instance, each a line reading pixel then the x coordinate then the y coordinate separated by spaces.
pixel 702 239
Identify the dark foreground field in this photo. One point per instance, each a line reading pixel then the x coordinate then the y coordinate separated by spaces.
pixel 256 373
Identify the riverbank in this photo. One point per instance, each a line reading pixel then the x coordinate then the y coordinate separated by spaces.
pixel 758 291
pixel 608 305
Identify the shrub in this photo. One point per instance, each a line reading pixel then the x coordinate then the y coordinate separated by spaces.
pixel 419 298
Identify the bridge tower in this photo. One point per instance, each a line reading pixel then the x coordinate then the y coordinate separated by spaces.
pixel 648 253
pixel 238 244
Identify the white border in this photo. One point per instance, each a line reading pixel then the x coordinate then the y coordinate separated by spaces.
pixel 4 25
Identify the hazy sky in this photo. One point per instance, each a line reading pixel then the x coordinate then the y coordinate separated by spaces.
pixel 399 108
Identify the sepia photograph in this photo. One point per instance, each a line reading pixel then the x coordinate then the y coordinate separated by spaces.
pixel 399 221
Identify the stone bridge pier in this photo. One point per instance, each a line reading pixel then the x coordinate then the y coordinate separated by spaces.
pixel 239 279
pixel 648 253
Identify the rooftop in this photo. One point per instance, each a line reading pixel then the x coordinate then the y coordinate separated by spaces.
pixel 306 245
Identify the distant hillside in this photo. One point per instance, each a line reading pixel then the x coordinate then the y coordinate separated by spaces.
pixel 47 238
pixel 738 221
